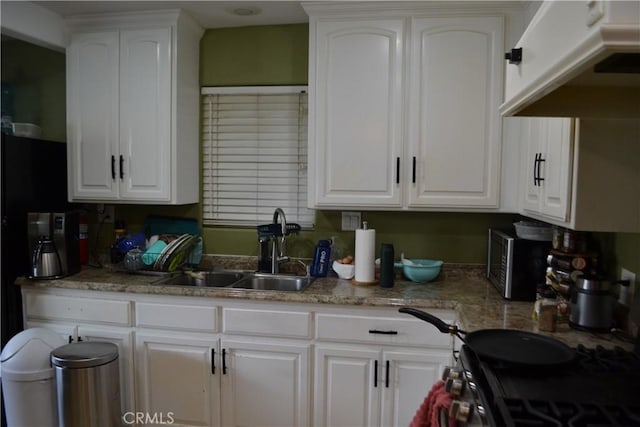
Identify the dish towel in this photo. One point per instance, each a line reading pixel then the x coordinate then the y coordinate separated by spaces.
pixel 428 415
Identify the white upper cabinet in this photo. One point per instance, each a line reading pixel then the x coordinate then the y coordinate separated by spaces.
pixel 547 166
pixel 403 107
pixel 128 140
pixel 582 174
pixel 356 112
pixel 92 115
pixel 455 129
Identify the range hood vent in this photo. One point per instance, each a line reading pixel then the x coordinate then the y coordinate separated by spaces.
pixel 624 63
pixel 579 59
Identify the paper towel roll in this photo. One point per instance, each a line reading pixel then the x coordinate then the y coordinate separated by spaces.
pixel 365 255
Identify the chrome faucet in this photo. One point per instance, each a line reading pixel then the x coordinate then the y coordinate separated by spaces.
pixel 278 257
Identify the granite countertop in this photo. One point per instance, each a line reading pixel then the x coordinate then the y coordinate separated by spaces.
pixel 476 302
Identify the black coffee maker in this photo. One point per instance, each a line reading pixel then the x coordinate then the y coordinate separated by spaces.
pixel 54 244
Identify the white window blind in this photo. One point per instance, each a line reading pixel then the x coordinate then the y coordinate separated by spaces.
pixel 254 155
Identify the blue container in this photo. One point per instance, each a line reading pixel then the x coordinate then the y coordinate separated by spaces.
pixel 320 266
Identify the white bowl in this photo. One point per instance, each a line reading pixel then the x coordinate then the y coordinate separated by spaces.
pixel 344 271
pixel 28 130
pixel 533 230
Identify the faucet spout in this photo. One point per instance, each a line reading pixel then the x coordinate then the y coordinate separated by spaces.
pixel 279 256
pixel 283 220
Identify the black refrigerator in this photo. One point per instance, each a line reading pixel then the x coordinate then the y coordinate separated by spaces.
pixel 34 179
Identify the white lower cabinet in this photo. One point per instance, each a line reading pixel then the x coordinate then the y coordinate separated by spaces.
pixel 205 362
pixel 177 379
pixel 189 372
pixel 374 367
pixel 411 374
pixel 346 389
pixel 87 316
pixel 265 383
pixel 364 386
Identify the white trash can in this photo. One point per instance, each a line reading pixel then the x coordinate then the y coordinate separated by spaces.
pixel 28 383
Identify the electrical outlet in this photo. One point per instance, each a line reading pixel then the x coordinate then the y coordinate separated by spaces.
pixel 631 277
pixel 105 213
pixel 351 220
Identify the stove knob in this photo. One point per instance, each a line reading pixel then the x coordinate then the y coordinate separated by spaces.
pixel 450 372
pixel 455 386
pixel 461 411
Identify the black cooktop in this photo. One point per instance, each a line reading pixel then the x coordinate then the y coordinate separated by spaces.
pixel 599 388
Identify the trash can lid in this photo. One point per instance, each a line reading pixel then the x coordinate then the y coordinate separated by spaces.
pixel 26 355
pixel 85 354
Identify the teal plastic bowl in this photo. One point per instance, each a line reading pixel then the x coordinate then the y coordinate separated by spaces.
pixel 423 270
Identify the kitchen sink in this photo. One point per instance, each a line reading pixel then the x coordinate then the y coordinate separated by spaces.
pixel 238 280
pixel 215 279
pixel 269 282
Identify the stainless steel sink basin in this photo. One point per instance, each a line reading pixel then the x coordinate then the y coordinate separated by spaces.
pixel 239 280
pixel 203 278
pixel 269 282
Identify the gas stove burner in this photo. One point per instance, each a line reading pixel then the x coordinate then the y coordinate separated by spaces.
pixel 598 388
pixel 522 412
pixel 600 359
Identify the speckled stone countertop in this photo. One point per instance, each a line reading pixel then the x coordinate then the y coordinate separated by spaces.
pixel 476 302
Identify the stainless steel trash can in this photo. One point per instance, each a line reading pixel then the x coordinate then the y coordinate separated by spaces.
pixel 88 384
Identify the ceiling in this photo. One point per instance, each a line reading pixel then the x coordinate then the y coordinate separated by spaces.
pixel 209 14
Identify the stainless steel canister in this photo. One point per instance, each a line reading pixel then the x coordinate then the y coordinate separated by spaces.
pixel 592 303
pixel 87 384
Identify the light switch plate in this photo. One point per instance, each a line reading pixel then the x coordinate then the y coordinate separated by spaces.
pixel 351 220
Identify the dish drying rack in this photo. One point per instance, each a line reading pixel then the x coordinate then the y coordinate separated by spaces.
pixel 175 254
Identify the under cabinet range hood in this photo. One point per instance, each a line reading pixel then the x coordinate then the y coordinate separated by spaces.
pixel 576 59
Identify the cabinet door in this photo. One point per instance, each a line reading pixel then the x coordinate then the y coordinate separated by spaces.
pixel 121 337
pixel 124 340
pixel 556 188
pixel 347 386
pixel 408 377
pixel 531 130
pixel 455 130
pixel 266 383
pixel 92 116
pixel 145 114
pixel 176 377
pixel 355 114
pixel 547 167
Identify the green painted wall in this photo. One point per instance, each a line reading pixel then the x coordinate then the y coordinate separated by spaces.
pixel 262 55
pixel 37 76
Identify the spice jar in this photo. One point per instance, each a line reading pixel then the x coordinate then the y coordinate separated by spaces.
pixel 556 239
pixel 569 241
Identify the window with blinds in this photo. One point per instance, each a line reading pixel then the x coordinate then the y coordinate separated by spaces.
pixel 254 155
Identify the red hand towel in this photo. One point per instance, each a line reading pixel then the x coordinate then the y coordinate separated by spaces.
pixel 428 413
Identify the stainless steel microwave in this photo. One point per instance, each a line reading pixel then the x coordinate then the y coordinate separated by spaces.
pixel 516 266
